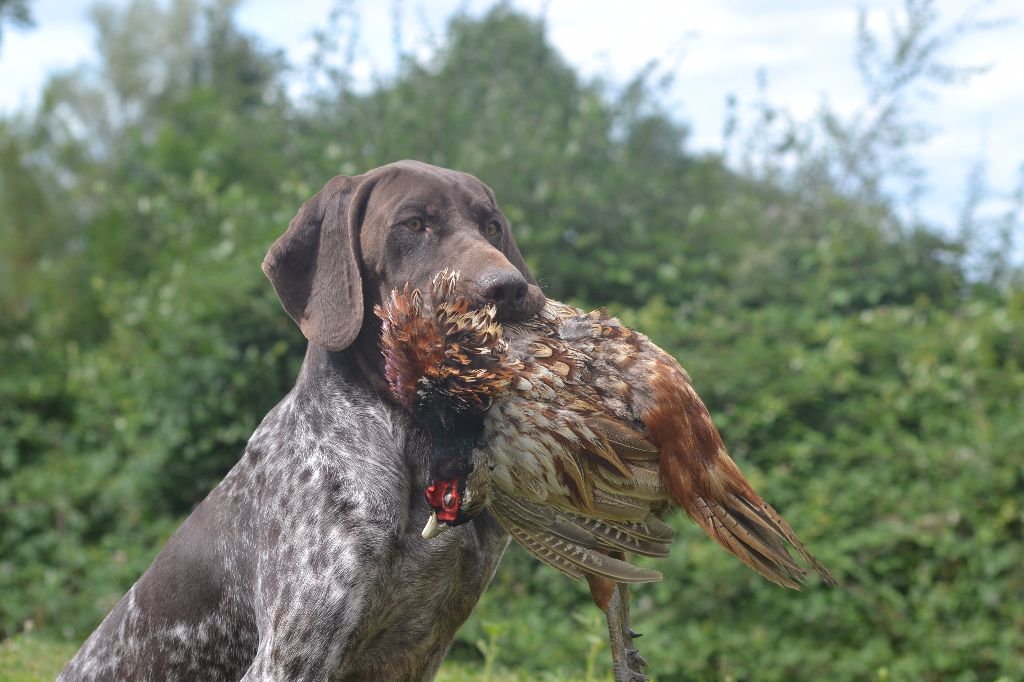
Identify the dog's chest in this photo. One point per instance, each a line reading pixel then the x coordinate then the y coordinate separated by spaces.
pixel 362 511
pixel 422 599
pixel 424 590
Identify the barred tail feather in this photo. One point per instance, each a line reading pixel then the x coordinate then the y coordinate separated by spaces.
pixel 738 519
pixel 702 478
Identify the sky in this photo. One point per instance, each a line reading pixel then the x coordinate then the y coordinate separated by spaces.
pixel 713 48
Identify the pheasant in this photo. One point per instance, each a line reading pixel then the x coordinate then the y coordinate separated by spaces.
pixel 578 435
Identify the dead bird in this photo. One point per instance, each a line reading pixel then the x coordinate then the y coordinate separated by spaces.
pixel 579 435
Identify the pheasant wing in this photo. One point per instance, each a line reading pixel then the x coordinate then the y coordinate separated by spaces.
pixel 570 548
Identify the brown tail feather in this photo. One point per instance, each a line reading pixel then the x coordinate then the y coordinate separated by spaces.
pixel 703 479
pixel 742 522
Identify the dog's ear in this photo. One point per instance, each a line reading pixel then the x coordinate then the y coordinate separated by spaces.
pixel 314 265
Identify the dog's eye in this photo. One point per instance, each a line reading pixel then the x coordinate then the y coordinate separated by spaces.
pixel 492 229
pixel 414 224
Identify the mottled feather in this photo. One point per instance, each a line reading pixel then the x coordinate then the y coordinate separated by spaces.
pixel 591 434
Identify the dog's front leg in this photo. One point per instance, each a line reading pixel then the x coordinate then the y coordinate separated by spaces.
pixel 307 631
pixel 309 651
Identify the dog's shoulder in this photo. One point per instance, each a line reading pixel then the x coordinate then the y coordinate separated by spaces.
pixel 326 466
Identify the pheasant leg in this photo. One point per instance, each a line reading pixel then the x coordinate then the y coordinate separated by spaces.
pixel 635 660
pixel 627 664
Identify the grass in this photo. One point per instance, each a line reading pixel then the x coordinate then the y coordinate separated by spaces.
pixel 465 672
pixel 28 659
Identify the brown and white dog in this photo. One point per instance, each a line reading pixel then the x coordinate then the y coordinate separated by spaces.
pixel 306 561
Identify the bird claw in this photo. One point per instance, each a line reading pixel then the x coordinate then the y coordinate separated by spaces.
pixel 623 673
pixel 634 659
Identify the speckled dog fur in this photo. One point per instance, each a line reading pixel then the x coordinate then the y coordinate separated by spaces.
pixel 306 561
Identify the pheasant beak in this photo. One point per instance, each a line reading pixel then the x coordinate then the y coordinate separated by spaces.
pixel 433 527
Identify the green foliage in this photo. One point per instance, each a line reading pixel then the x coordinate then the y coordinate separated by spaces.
pixel 27 659
pixel 867 376
pixel 31 659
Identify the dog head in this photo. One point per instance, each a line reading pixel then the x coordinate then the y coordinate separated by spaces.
pixel 362 237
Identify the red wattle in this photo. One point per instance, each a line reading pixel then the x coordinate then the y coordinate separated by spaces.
pixel 436 493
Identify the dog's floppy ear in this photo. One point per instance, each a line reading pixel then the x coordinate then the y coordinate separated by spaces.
pixel 314 265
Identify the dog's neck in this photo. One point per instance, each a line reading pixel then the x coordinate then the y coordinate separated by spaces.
pixel 361 363
pixel 358 372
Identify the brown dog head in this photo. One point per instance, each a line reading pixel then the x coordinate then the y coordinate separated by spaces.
pixel 361 237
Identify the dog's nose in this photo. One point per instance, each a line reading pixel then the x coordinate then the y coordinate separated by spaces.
pixel 506 290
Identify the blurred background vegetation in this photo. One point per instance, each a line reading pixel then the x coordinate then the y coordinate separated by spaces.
pixel 866 369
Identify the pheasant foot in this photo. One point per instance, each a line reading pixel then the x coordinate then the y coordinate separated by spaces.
pixel 627 663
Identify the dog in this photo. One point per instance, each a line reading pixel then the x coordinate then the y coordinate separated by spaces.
pixel 306 561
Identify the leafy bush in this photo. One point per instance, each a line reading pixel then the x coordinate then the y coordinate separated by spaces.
pixel 865 377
